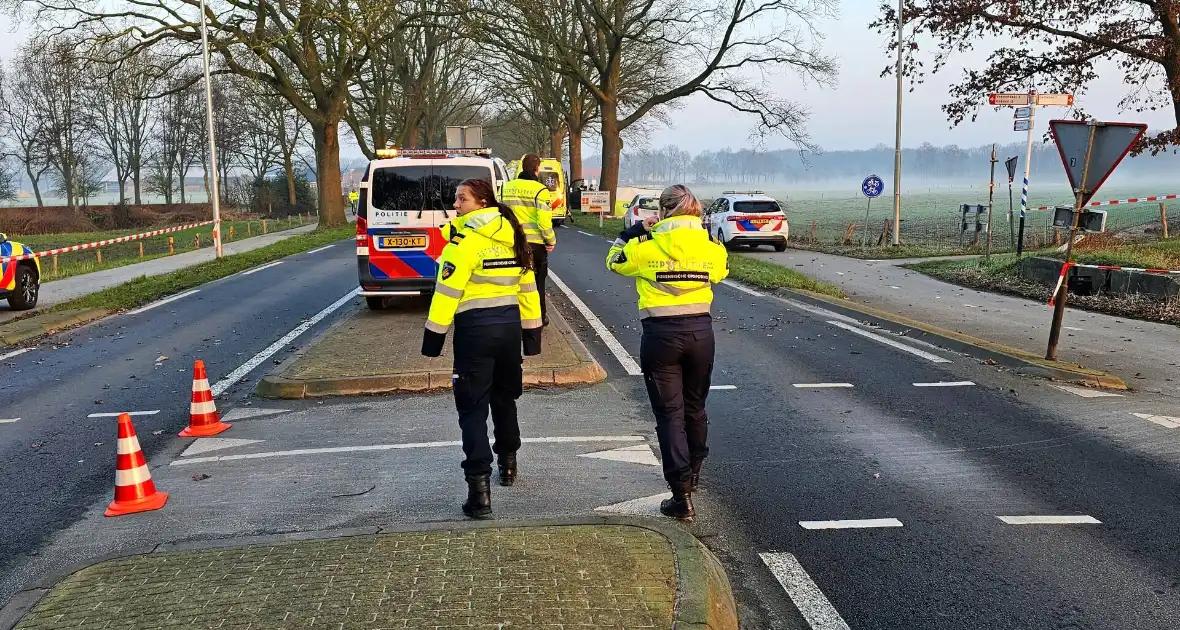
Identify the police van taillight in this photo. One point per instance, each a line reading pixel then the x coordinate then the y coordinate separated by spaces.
pixel 362 236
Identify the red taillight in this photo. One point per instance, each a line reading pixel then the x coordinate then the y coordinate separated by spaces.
pixel 636 210
pixel 362 232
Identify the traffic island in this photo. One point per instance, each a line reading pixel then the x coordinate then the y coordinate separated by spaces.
pixel 610 573
pixel 378 352
pixel 39 325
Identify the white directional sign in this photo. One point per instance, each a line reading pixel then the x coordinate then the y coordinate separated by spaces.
pixel 596 201
pixel 1112 142
pixel 1063 100
pixel 1022 112
pixel 1008 98
pixel 1021 124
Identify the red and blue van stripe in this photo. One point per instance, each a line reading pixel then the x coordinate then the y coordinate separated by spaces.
pixel 405 263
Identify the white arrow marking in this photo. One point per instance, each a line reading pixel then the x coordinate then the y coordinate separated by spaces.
pixel 639 454
pixel 644 506
pixel 204 445
pixel 242 413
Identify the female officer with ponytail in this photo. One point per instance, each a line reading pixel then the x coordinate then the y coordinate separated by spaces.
pixel 486 290
pixel 675 266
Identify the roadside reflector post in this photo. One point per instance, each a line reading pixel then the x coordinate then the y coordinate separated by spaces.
pixel 98 253
pixel 1164 218
pixel 55 265
pixel 141 249
pixel 264 226
pixel 249 228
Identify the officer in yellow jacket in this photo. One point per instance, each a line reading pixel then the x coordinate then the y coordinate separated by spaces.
pixel 531 201
pixel 487 292
pixel 675 266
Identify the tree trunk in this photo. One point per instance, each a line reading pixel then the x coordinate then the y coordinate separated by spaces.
pixel 556 139
pixel 289 169
pixel 34 180
pixel 122 190
pixel 612 146
pixel 136 179
pixel 575 142
pixel 330 191
pixel 208 188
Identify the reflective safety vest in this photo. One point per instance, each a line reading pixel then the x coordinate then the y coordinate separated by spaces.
pixel 674 268
pixel 479 281
pixel 530 201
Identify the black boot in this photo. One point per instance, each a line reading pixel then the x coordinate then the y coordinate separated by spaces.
pixel 695 478
pixel 479 496
pixel 507 465
pixel 680 505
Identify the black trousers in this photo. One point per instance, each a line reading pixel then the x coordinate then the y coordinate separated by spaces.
pixel 541 270
pixel 677 367
pixel 488 374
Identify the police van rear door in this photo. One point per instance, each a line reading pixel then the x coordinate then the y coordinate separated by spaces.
pixel 758 215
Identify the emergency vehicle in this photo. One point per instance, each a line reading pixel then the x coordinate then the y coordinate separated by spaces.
pixel 642 207
pixel 406 197
pixel 20 280
pixel 553 176
pixel 747 218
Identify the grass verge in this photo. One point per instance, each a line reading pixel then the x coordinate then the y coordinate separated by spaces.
pixel 147 289
pixel 758 273
pixel 886 253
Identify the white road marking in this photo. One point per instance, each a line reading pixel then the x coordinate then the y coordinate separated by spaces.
pixel 723 387
pixel 220 386
pixel 204 445
pixel 821 385
pixel 643 506
pixel 616 348
pixel 743 288
pixel 586 233
pixel 10 421
pixel 241 413
pixel 811 602
pixel 1072 328
pixel 119 413
pixel 638 454
pixel 1080 519
pixel 1164 421
pixel 395 447
pixel 889 342
pixel 162 302
pixel 15 353
pixel 266 266
pixel 320 249
pixel 865 523
pixel 1086 392
pixel 946 384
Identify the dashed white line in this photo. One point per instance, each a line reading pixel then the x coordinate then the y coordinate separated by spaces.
pixel 1073 328
pixel 743 288
pixel 586 233
pixel 15 353
pixel 144 309
pixel 220 386
pixel 1164 421
pixel 616 348
pixel 1087 393
pixel 392 447
pixel 723 387
pixel 119 413
pixel 815 607
pixel 320 249
pixel 889 342
pixel 1080 519
pixel 864 523
pixel 820 385
pixel 10 421
pixel 266 266
pixel 946 384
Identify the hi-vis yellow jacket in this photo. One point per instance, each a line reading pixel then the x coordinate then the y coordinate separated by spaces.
pixel 479 283
pixel 530 201
pixel 674 268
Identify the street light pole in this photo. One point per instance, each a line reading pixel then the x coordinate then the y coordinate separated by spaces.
pixel 897 140
pixel 212 141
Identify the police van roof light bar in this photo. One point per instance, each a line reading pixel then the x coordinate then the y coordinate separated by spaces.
pixel 743 192
pixel 392 153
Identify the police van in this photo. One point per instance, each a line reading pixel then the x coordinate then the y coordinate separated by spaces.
pixel 406 197
pixel 20 280
pixel 747 218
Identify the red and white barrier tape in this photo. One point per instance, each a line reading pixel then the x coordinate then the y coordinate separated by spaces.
pixel 1066 266
pixel 1116 202
pixel 111 241
pixel 1060 279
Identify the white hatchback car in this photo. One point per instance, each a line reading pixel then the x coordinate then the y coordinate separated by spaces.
pixel 640 208
pixel 747 218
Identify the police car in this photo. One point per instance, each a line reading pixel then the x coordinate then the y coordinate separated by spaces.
pixel 747 218
pixel 20 280
pixel 641 207
pixel 406 197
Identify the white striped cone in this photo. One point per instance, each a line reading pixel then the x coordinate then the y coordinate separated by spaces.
pixel 203 418
pixel 134 490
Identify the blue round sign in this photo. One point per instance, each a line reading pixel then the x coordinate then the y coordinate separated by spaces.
pixel 872 186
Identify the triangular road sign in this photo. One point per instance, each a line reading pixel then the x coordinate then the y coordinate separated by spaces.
pixel 1112 142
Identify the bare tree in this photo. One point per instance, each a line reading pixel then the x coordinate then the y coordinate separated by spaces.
pixel 24 127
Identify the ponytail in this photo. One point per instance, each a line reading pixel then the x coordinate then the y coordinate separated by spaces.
pixel 520 243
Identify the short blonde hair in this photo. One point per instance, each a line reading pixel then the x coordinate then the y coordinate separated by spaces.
pixel 678 201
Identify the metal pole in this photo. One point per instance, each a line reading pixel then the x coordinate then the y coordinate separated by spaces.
pixel 897 140
pixel 212 142
pixel 1011 223
pixel 991 188
pixel 1063 290
pixel 864 239
pixel 1032 123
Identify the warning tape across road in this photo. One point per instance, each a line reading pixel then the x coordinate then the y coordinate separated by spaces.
pixel 1116 202
pixel 121 239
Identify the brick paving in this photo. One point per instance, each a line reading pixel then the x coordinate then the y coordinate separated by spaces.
pixel 560 577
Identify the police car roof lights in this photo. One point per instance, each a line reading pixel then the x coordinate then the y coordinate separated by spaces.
pixel 743 192
pixel 385 154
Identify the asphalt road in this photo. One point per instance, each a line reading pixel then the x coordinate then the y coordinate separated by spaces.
pixel 57 460
pixel 945 462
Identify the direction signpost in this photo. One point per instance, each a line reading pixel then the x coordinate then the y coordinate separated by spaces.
pixel 871 187
pixel 991 189
pixel 1090 151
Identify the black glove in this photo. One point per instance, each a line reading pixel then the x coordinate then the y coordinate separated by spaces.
pixel 532 341
pixel 432 343
pixel 636 230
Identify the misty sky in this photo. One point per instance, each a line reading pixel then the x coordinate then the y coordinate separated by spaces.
pixel 859 112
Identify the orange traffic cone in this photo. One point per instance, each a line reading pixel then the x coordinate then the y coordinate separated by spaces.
pixel 203 419
pixel 134 490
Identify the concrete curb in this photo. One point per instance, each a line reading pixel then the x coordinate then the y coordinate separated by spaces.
pixel 704 598
pixel 274 385
pixel 1018 360
pixel 21 330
